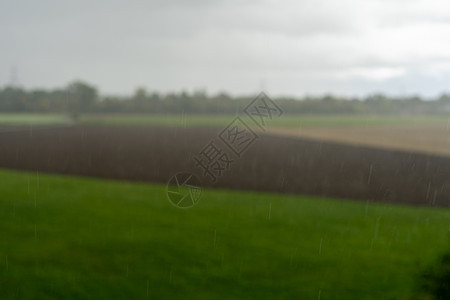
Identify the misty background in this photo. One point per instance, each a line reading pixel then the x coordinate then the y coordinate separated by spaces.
pixel 288 48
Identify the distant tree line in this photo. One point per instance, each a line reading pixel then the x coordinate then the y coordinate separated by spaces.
pixel 80 97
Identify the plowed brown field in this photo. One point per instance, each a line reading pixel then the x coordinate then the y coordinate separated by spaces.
pixel 429 138
pixel 272 164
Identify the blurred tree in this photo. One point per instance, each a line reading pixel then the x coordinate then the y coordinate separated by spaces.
pixel 81 97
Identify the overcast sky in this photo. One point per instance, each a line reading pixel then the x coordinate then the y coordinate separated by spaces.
pixel 300 47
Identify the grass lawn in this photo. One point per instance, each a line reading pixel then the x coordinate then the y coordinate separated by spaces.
pixel 32 119
pixel 77 238
pixel 187 120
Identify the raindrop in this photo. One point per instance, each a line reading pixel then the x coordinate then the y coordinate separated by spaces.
pixel 370 174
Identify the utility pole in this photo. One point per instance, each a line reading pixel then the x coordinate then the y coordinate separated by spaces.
pixel 14 76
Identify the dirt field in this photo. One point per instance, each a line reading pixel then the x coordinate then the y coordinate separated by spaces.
pixel 429 138
pixel 271 164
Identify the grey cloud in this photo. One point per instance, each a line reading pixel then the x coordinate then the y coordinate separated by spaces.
pixel 299 46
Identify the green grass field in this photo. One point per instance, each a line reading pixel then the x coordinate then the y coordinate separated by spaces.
pixel 186 120
pixel 32 119
pixel 77 238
